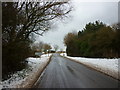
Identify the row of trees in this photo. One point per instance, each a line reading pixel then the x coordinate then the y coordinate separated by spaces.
pixel 40 47
pixel 43 47
pixel 95 40
pixel 20 22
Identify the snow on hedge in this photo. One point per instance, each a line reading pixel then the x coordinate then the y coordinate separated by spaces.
pixel 23 77
pixel 107 66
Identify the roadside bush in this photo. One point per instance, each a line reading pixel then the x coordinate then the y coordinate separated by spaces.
pixel 13 57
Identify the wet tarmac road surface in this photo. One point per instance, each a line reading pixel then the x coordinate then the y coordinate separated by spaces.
pixel 64 73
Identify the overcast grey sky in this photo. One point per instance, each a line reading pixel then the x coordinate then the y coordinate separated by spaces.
pixel 83 13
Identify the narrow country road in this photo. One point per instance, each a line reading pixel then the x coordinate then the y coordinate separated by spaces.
pixel 63 73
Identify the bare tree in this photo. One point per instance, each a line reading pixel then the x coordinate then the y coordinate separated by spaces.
pixel 37 46
pixel 34 17
pixel 46 47
pixel 56 47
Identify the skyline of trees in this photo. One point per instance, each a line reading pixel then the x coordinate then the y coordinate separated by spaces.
pixel 95 40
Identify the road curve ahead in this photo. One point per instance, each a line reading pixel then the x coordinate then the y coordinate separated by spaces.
pixel 63 73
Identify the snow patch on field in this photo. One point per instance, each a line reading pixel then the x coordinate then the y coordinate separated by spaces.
pixel 23 78
pixel 107 66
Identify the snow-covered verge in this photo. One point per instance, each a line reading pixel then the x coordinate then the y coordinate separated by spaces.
pixel 28 76
pixel 107 66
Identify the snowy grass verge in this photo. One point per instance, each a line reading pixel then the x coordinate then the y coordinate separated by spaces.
pixel 107 66
pixel 26 77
